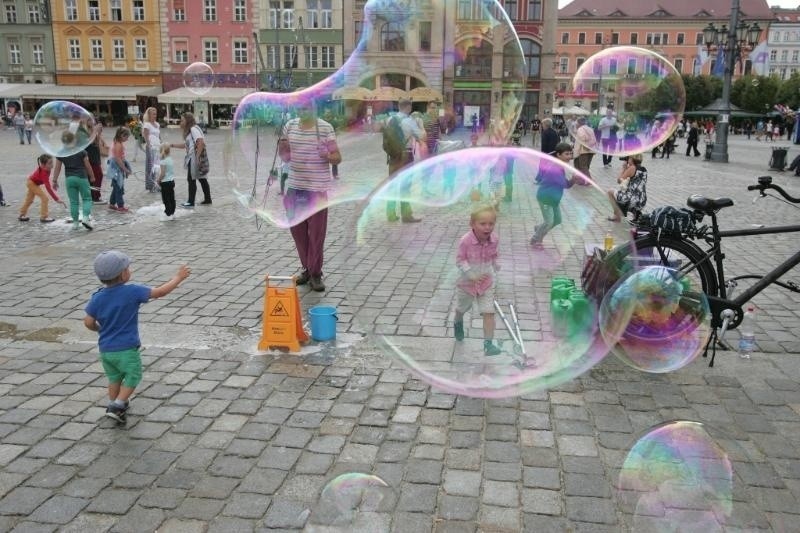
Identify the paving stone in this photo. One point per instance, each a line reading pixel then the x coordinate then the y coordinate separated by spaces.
pixel 231 466
pixel 113 501
pixel 246 505
pixel 575 445
pixel 465 439
pixel 411 523
pixel 423 471
pixel 538 501
pixel 217 488
pixel 194 425
pixel 402 432
pixel 458 508
pixel 51 476
pixel 595 510
pixel 177 478
pixel 262 481
pixel 500 493
pixel 279 457
pixel 355 453
pixel 314 463
pixel 89 522
pixel 417 498
pixel 392 451
pixel 258 431
pixel 162 498
pixel 228 524
pixel 23 500
pixel 586 485
pixel 8 481
pixel 286 514
pixel 199 508
pixel 346 410
pixel 502 452
pixel 500 518
pixel 33 527
pixel 177 525
pixel 503 471
pixel 85 487
pixel 292 437
pixel 368 435
pixel 153 462
pixel 463 459
pixel 49 448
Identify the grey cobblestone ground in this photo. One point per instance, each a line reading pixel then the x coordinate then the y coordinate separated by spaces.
pixel 222 438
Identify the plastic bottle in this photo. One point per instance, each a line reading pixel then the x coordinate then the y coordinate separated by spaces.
pixel 747 332
pixel 608 242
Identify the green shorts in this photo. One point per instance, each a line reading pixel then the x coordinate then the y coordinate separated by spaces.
pixel 124 366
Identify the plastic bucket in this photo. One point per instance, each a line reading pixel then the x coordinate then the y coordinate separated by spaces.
pixel 323 322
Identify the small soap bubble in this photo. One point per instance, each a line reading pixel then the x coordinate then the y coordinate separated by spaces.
pixel 352 500
pixel 63 128
pixel 659 318
pixel 198 78
pixel 641 98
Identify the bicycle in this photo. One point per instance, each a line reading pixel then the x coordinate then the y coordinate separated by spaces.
pixel 651 246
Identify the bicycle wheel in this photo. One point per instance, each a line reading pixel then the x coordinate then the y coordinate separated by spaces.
pixel 681 255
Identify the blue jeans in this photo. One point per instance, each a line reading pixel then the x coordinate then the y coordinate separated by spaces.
pixel 551 213
pixel 21 133
pixel 117 193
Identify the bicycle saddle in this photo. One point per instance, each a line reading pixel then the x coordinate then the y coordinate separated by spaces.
pixel 707 205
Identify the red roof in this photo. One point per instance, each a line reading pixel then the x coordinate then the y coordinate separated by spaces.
pixel 680 9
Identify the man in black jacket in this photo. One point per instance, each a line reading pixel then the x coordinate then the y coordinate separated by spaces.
pixel 691 140
pixel 550 137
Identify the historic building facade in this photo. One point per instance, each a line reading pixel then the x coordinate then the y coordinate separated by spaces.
pixel 783 43
pixel 26 41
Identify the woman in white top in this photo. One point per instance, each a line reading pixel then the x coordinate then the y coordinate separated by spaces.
pixel 151 131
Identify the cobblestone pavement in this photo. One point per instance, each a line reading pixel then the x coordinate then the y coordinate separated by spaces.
pixel 222 437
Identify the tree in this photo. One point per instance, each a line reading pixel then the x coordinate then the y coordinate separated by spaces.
pixel 756 94
pixel 789 92
pixel 701 90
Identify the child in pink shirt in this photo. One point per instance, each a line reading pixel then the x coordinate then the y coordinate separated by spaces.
pixel 477 261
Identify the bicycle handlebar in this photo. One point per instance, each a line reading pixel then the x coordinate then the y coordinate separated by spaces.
pixel 765 182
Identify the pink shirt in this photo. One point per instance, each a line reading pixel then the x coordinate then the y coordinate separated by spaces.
pixel 476 258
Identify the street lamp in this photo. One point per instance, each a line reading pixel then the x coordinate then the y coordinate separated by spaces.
pixel 731 41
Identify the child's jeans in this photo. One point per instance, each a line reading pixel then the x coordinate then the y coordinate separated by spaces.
pixel 551 213
pixel 117 194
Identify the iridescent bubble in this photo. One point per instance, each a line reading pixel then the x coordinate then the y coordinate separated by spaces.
pixel 63 128
pixel 359 99
pixel 640 99
pixel 677 477
pixel 755 82
pixel 659 318
pixel 353 500
pixel 198 78
pixel 410 281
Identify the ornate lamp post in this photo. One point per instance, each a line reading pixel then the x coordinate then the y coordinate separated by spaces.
pixel 731 41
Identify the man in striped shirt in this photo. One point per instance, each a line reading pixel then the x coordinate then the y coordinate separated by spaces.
pixel 309 144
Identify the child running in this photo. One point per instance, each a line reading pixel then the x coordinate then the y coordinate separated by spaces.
pixel 113 311
pixel 40 176
pixel 477 261
pixel 552 181
pixel 118 170
pixel 164 170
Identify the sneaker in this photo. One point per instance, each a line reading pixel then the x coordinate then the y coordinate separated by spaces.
pixel 123 210
pixel 303 278
pixel 458 331
pixel 46 220
pixel 116 412
pixel 112 207
pixel 23 219
pixel 87 225
pixel 164 218
pixel 490 349
pixel 316 284
pixel 205 202
pixel 411 219
pixel 187 205
pixel 98 202
pixel 76 226
pixel 3 203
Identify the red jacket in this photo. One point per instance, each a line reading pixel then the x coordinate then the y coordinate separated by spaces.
pixel 41 176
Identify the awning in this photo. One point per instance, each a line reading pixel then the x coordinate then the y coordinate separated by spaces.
pixel 425 94
pixel 87 92
pixel 11 90
pixel 217 95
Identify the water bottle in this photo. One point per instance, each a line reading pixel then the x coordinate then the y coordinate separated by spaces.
pixel 608 242
pixel 747 332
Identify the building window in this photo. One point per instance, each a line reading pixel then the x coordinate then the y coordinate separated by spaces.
pixel 96 48
pixel 634 38
pixel 138 10
pixel 240 10
pixel 357 29
pixel 178 11
pixel 71 9
pixel 14 54
pixel 773 55
pixel 425 31
pixel 210 10
pixel 471 9
pixel 598 38
pixel 563 65
pixel 679 65
pixel 11 13
pixel 327 14
pixel 534 9
pixel 272 57
pixel 312 57
pixel 240 55
pixel 74 47
pixel 328 58
pixel 785 39
pixel 119 48
pixel 94 10
pixel 34 13
pixel 37 51
pixel 274 15
pixel 210 51
pixel 140 47
pixel 288 14
pixel 393 37
pixel 181 53
pixel 698 39
pixel 784 55
pixel 612 66
pixel 794 56
pixel 581 38
pixel 579 62
pixel 632 66
pixel 281 14
pixel 115 9
pixel 312 7
pixel 657 38
pixel 511 8
pixel 533 58
pixel 681 38
pixel 615 38
pixel 289 57
pixel 565 38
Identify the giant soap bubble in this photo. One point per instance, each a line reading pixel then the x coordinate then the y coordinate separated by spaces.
pixel 198 78
pixel 394 59
pixel 63 128
pixel 409 282
pixel 647 94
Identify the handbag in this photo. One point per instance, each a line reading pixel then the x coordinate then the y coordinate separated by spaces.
pixel 203 165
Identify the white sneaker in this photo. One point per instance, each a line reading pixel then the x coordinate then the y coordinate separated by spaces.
pixel 172 218
pixel 163 218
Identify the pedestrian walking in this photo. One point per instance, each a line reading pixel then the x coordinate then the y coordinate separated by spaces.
pixel 28 127
pixel 164 169
pixel 608 135
pixel 39 177
pixel 195 145
pixel 536 126
pixel 309 144
pixel 19 125
pixel 476 260
pixel 113 312
pixel 118 170
pixel 77 174
pixel 401 132
pixel 97 150
pixel 151 132
pixel 550 137
pixel 692 139
pixel 552 180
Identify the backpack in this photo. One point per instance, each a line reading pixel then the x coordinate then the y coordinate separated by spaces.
pixel 672 220
pixel 394 142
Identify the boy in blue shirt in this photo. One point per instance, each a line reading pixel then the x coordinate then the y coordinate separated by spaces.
pixel 113 311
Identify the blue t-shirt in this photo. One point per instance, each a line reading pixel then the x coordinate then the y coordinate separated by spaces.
pixel 116 309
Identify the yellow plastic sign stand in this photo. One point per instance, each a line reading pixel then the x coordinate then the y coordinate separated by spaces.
pixel 282 321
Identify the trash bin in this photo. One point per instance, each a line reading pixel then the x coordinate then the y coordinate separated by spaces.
pixel 709 149
pixel 778 159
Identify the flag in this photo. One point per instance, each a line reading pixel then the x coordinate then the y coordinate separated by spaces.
pixel 702 55
pixel 758 58
pixel 719 65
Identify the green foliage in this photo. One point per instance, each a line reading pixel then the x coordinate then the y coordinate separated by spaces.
pixel 701 90
pixel 789 92
pixel 755 96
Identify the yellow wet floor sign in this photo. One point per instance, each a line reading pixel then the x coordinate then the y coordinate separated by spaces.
pixel 282 320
